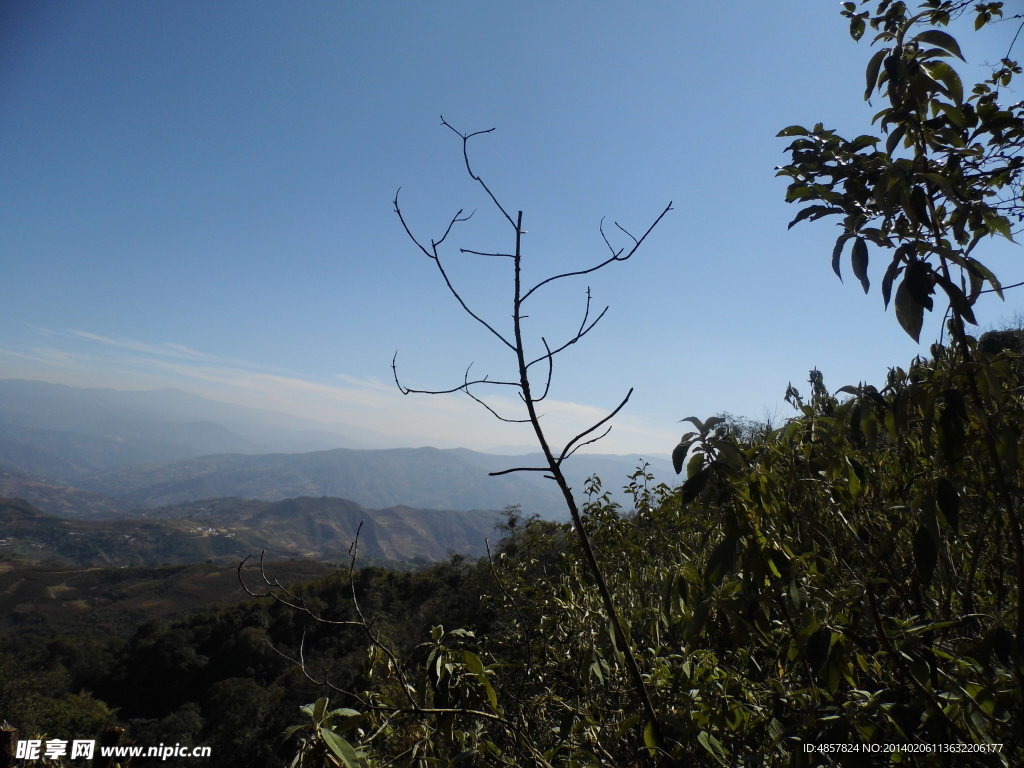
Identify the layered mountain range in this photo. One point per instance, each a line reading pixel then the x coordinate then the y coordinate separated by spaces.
pixel 96 453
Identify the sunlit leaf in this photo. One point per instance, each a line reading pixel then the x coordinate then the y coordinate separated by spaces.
pixel 793 130
pixel 341 748
pixel 942 73
pixel 942 40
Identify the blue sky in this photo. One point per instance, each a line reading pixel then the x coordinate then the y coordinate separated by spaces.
pixel 198 195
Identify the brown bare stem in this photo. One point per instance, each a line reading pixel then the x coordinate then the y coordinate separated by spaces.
pixel 553 468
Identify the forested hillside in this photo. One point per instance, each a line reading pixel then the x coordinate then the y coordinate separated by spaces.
pixel 231 529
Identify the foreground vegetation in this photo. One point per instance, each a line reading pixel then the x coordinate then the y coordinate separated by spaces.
pixel 845 578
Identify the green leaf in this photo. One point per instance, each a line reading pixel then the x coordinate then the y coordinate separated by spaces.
pixel 679 455
pixel 713 422
pixel 713 746
pixel 855 477
pixel 861 142
pixel 813 212
pixel 975 266
pixel 942 40
pixel 941 72
pixel 942 183
pixel 874 66
pixel 721 560
pixel 692 487
pixel 857 27
pixel 894 139
pixel 650 740
pixel 793 130
pixel 890 274
pixel 794 594
pixel 837 253
pixel 473 662
pixel 319 707
pixel 920 281
pixel 919 204
pixel 860 262
pixel 341 749
pixel 955 114
pixel 1000 224
pixel 957 300
pixel 695 421
pixel 909 312
pixel 695 464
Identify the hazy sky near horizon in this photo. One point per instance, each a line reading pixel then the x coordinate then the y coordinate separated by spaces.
pixel 199 195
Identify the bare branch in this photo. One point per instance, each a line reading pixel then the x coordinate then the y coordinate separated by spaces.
pixel 463 387
pixel 406 687
pixel 493 412
pixel 519 469
pixel 460 388
pixel 301 664
pixel 584 433
pixel 551 369
pixel 1002 288
pixel 405 226
pixel 627 233
pixel 600 228
pixel 482 253
pixel 614 257
pixel 276 589
pixel 458 217
pixel 583 331
pixel 440 267
pixel 588 442
pixel 553 463
pixel 465 155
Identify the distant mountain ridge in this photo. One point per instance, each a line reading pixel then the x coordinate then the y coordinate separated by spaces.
pixel 61 433
pixel 122 450
pixel 428 478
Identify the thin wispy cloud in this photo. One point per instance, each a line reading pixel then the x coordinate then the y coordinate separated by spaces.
pixel 167 349
pixel 341 400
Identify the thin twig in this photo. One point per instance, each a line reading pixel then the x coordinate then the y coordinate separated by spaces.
pixel 444 274
pixel 406 687
pixel 509 471
pixel 614 257
pixel 584 433
pixel 297 603
pixel 465 155
pixel 482 253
